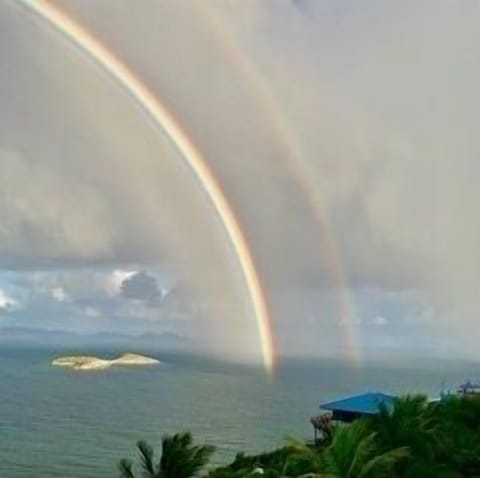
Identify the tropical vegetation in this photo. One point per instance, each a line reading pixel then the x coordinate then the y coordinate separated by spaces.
pixel 179 459
pixel 414 439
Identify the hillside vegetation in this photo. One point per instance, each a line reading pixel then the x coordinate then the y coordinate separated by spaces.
pixel 415 439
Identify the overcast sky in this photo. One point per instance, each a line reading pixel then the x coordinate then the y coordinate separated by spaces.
pixel 339 128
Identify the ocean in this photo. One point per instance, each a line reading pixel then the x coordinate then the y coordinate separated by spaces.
pixel 60 423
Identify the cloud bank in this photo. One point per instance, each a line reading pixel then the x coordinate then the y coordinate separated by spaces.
pixel 381 99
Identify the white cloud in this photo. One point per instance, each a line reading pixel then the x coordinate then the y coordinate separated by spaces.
pixel 92 313
pixel 115 280
pixel 379 321
pixel 7 303
pixel 59 294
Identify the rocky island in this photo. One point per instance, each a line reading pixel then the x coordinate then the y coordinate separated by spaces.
pixel 86 362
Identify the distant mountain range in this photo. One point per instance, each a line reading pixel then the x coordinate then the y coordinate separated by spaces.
pixel 41 337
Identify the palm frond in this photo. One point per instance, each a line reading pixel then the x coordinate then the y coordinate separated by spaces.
pixel 381 465
pixel 125 467
pixel 146 456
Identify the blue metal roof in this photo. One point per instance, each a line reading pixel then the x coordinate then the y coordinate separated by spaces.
pixel 365 404
pixel 469 386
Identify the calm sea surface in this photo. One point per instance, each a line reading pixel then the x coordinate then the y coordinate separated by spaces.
pixel 60 423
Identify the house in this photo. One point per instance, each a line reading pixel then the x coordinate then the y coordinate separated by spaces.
pixel 350 408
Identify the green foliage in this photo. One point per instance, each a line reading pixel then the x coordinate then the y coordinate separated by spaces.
pixel 414 424
pixel 460 418
pixel 303 459
pixel 179 459
pixel 411 423
pixel 271 465
pixel 415 439
pixel 353 453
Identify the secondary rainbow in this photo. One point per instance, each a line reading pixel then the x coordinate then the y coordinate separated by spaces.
pixel 160 115
pixel 301 170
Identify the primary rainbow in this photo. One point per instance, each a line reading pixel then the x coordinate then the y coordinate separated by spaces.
pixel 302 172
pixel 188 151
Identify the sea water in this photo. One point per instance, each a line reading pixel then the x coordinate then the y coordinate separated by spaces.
pixel 56 422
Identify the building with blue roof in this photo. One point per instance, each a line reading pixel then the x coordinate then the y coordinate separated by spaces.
pixel 350 408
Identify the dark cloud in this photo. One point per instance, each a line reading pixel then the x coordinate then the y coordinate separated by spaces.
pixel 141 286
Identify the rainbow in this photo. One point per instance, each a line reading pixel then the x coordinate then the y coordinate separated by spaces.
pixel 302 171
pixel 163 119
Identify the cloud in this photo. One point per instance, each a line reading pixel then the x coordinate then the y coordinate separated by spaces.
pixel 379 321
pixel 80 300
pixel 7 303
pixel 59 294
pixel 115 280
pixel 46 216
pixel 141 286
pixel 380 98
pixel 386 114
pixel 92 313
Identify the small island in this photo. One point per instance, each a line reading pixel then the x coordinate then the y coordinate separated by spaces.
pixel 87 362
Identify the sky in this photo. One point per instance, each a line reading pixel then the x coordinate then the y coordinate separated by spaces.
pixel 344 135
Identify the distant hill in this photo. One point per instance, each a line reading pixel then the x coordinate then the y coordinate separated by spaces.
pixel 40 337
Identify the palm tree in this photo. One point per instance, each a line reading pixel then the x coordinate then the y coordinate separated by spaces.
pixel 180 459
pixel 413 423
pixel 353 453
pixel 460 418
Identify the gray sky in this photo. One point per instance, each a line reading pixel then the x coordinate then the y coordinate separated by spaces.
pixel 361 113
